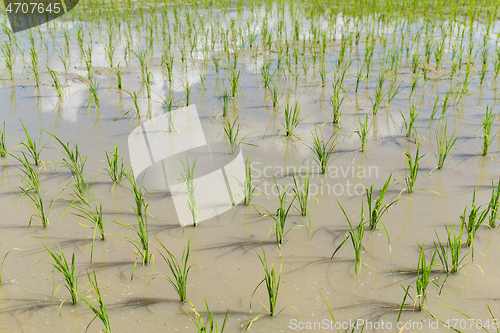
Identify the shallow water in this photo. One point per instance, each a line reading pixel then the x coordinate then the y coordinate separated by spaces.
pixel 228 269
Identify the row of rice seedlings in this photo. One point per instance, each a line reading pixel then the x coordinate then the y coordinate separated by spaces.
pixel 100 312
pixel 413 166
pixel 322 149
pixel 211 325
pixel 68 271
pixel 444 145
pixel 362 132
pixel 179 269
pixel 292 117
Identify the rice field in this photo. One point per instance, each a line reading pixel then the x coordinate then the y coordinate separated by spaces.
pixel 368 191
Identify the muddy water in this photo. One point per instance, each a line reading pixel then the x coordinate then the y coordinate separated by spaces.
pixel 228 269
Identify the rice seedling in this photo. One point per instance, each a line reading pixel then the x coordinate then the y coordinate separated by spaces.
pixel 179 269
pixel 34 65
pixel 109 49
pixel 413 166
pixel 249 191
pixel 93 87
pixel 377 208
pixel 75 163
pixel 3 145
pixel 117 169
pixel 100 313
pixel 272 281
pixel 118 73
pixel 393 91
pixel 444 145
pixel 446 103
pixel 494 205
pixel 282 214
pixel 69 272
pixel 34 149
pixel 415 62
pixel 322 149
pixel 274 95
pixel 449 253
pixel 211 325
pixel 292 119
pixel 3 261
pixel 362 132
pixel 188 87
pixel 414 85
pixel 435 108
pixel 423 279
pixel 63 57
pixel 487 122
pixel 27 173
pixel 147 82
pixel 473 221
pixel 141 245
pixel 301 190
pixel 232 131
pixel 55 82
pixel 141 56
pixel 225 101
pixel 410 122
pixel 336 102
pixel 9 63
pixel 136 103
pixel 439 51
pixel 188 178
pixel 377 100
pixel 356 236
pixel 92 215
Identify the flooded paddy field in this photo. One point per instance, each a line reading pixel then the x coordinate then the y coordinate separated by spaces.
pixel 364 141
